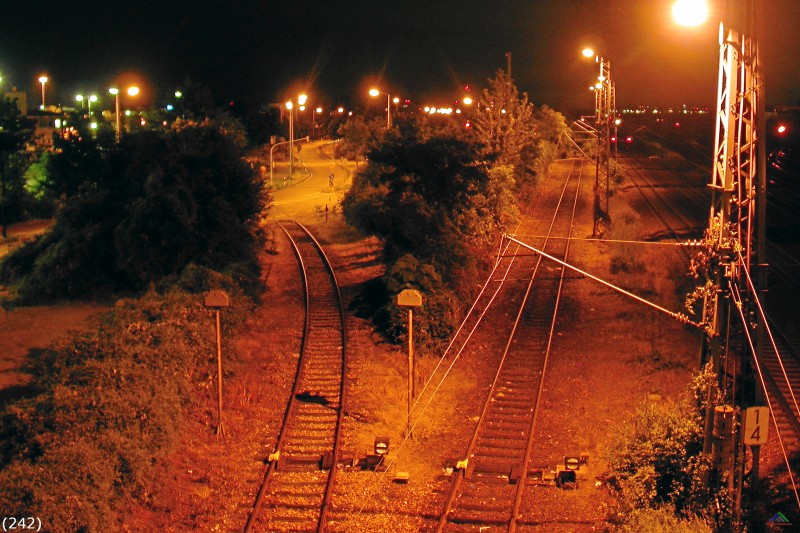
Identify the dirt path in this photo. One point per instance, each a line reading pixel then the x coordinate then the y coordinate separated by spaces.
pixel 26 329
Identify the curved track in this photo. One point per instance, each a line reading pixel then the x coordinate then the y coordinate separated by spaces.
pixel 296 490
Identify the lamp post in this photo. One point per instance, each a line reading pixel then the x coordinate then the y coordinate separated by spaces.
pixel 43 81
pixel 92 98
pixel 605 103
pixel 316 111
pixel 132 91
pixel 376 92
pixel 301 101
pixel 740 141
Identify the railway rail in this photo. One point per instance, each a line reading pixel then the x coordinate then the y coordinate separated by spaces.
pixel 296 491
pixel 487 491
pixel 780 362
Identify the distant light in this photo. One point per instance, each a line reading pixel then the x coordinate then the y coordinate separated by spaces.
pixel 374 92
pixel 588 52
pixel 782 129
pixel 467 100
pixel 43 79
pixel 302 99
pixel 58 123
pixel 395 100
pixel 690 12
pixel 93 125
pixel 289 104
pixel 318 110
pixel 178 94
pixel 113 90
pixel 133 91
pixel 170 107
pixel 340 109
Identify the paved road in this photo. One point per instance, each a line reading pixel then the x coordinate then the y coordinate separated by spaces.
pixel 306 200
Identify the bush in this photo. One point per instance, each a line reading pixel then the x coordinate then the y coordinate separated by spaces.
pixel 142 210
pixel 655 463
pixel 108 406
pixel 661 520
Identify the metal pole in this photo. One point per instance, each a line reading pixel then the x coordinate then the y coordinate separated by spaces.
pixel 119 131
pixel 761 214
pixel 388 111
pixel 220 429
pixel 410 367
pixel 291 142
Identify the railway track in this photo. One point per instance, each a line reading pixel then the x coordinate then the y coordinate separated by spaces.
pixel 782 366
pixel 487 491
pixel 296 490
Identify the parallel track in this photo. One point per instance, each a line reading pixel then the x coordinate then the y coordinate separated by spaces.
pixel 488 492
pixel 781 373
pixel 297 487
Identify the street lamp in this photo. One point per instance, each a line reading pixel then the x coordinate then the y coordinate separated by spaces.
pixel 738 177
pixel 314 114
pixel 42 80
pixel 605 108
pixel 690 12
pixel 301 101
pixel 132 91
pixel 92 98
pixel 376 92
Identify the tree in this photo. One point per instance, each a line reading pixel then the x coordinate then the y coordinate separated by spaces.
pixel 145 208
pixel 358 136
pixel 15 133
pixel 438 207
pixel 504 121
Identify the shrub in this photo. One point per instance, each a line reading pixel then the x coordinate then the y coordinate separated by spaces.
pixel 109 404
pixel 655 463
pixel 662 520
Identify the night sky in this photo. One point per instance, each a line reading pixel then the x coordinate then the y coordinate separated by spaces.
pixel 263 51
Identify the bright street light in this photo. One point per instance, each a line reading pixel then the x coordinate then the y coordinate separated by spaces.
pixel 375 92
pixel 301 101
pixel 132 91
pixel 42 80
pixel 690 12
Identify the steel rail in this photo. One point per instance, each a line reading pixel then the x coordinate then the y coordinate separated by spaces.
pixel 299 394
pixel 494 398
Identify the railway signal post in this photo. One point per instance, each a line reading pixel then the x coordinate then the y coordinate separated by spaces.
pixel 409 299
pixel 217 300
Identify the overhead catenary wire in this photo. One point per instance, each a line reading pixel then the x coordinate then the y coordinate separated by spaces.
pixel 680 317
